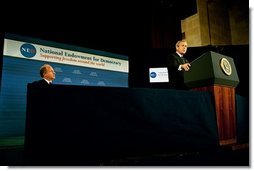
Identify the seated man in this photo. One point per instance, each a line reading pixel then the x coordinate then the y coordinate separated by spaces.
pixel 47 74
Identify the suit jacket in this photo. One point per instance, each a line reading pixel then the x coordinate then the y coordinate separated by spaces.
pixel 41 83
pixel 176 77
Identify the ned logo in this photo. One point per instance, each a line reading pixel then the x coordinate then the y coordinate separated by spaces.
pixel 153 74
pixel 28 50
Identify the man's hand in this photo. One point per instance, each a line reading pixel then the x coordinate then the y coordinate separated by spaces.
pixel 186 66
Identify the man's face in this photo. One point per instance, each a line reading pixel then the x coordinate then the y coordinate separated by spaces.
pixel 50 74
pixel 182 48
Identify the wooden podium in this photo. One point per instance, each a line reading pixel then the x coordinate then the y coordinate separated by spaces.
pixel 217 74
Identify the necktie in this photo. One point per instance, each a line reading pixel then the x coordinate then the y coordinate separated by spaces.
pixel 183 59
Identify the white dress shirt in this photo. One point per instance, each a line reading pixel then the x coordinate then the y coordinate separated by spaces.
pixel 49 82
pixel 180 66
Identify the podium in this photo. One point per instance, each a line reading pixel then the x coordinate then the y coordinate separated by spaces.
pixel 216 73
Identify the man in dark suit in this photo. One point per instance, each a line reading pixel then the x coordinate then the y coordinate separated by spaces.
pixel 47 74
pixel 177 65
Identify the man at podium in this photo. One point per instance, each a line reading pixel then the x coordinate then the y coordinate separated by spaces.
pixel 177 65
